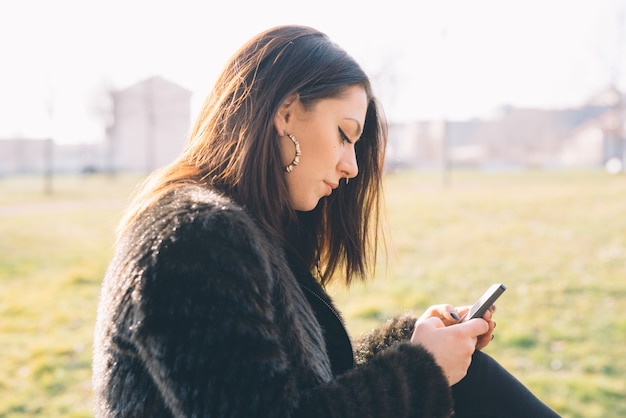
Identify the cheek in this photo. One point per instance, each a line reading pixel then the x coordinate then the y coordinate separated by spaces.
pixel 303 195
pixel 325 154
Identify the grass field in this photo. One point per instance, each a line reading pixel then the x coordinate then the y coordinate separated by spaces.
pixel 556 239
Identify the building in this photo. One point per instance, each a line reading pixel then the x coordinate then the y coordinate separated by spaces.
pixel 584 136
pixel 26 156
pixel 151 122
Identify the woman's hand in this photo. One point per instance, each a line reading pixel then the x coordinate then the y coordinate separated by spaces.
pixel 452 347
pixel 485 339
pixel 446 313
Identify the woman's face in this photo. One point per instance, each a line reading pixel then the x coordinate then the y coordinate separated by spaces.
pixel 326 133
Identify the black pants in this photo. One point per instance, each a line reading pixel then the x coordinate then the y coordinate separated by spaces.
pixel 488 390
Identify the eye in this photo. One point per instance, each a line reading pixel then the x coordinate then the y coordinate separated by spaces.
pixel 344 137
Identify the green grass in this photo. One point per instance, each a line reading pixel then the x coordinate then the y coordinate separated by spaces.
pixel 556 239
pixel 53 252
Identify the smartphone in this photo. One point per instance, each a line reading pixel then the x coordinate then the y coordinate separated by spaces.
pixel 484 302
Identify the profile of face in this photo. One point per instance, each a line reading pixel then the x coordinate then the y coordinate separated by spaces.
pixel 326 133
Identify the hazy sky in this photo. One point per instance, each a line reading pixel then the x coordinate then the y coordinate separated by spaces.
pixel 428 58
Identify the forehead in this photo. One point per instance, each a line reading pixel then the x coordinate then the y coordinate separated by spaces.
pixel 349 105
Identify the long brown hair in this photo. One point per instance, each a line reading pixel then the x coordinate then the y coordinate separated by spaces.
pixel 233 148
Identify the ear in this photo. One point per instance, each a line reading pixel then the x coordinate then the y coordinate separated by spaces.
pixel 284 114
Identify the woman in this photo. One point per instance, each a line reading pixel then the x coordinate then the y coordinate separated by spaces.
pixel 214 302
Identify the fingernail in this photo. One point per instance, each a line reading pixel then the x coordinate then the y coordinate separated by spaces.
pixel 493 336
pixel 494 324
pixel 455 315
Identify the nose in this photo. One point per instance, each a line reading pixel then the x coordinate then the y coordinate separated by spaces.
pixel 348 165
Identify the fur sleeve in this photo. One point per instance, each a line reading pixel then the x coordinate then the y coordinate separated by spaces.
pixel 402 381
pixel 395 330
pixel 393 378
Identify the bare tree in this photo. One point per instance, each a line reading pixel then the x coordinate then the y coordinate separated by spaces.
pixel 620 107
pixel 48 149
pixel 102 107
pixel 615 56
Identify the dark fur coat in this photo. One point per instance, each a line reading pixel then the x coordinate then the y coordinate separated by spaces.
pixel 201 315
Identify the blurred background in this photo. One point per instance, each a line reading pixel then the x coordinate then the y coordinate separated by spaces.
pixel 113 85
pixel 505 164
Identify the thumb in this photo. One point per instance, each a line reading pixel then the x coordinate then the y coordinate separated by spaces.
pixel 475 327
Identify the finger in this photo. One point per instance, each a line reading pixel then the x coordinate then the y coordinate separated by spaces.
pixel 462 310
pixel 433 322
pixel 455 316
pixel 445 312
pixel 483 341
pixel 430 311
pixel 488 314
pixel 476 327
pixel 450 314
pixel 486 338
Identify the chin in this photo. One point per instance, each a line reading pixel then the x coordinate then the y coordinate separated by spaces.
pixel 306 206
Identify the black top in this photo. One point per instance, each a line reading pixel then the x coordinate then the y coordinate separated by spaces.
pixel 338 343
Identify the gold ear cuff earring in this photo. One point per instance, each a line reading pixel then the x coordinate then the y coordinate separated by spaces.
pixel 296 158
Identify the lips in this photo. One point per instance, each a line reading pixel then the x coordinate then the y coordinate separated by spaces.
pixel 332 186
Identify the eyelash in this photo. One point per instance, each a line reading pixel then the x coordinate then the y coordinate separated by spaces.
pixel 344 137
